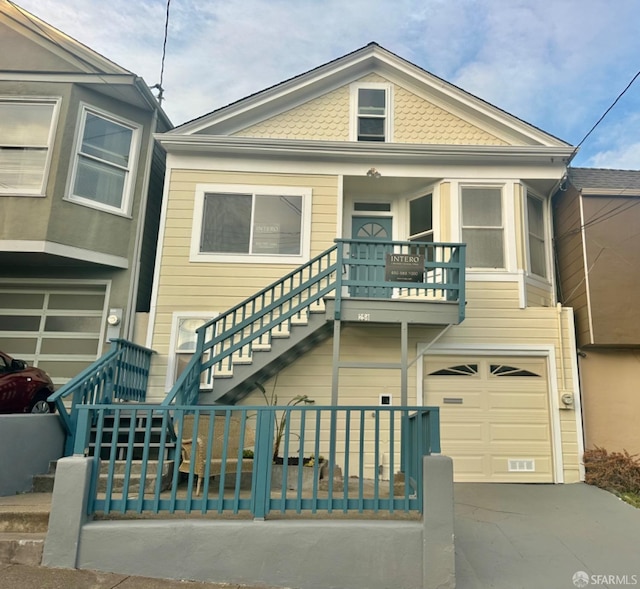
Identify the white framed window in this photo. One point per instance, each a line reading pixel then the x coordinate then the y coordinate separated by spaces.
pixel 536 234
pixel 243 223
pixel 27 129
pixel 106 151
pixel 421 218
pixel 371 112
pixel 483 226
pixel 182 345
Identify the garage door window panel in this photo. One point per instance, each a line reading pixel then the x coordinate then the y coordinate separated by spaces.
pixel 459 370
pixel 502 370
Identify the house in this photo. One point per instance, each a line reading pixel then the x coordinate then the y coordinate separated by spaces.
pixel 596 238
pixel 376 157
pixel 80 192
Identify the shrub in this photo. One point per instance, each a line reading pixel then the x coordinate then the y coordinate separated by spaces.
pixel 615 471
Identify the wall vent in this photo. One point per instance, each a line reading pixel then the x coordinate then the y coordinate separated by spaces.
pixel 522 465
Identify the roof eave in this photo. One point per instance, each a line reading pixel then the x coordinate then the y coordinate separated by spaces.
pixel 358 151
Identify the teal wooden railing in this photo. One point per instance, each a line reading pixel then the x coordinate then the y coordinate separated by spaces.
pixel 120 375
pixel 349 268
pixel 365 459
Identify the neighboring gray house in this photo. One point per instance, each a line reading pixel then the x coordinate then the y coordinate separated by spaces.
pixel 80 191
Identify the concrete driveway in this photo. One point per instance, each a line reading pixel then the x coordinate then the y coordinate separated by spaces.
pixel 543 536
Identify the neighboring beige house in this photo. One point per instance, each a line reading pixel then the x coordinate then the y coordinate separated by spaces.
pixel 597 221
pixel 371 146
pixel 80 194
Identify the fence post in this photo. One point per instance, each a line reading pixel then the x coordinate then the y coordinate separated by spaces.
pixel 262 458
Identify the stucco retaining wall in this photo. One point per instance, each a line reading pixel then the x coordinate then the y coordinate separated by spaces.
pixel 27 444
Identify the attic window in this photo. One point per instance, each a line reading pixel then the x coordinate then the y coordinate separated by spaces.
pixel 371 108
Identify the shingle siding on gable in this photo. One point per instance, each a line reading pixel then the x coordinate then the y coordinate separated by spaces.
pixel 419 121
pixel 325 118
pixel 416 120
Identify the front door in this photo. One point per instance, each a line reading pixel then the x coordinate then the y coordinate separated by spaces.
pixel 372 255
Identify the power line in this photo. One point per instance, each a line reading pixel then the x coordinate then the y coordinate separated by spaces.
pixel 159 86
pixel 606 112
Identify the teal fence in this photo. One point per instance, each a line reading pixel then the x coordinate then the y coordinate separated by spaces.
pixel 120 375
pixel 183 459
pixel 349 268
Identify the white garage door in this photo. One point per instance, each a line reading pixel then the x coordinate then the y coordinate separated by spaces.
pixel 56 327
pixel 494 416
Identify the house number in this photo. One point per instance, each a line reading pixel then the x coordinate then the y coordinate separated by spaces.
pixel 364 317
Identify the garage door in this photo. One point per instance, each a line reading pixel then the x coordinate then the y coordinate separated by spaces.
pixel 494 416
pixel 56 327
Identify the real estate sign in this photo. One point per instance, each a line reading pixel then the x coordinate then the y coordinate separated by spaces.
pixel 404 268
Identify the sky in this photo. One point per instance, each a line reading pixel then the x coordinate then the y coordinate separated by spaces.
pixel 557 64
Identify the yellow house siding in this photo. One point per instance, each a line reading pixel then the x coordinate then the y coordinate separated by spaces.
pixel 538 296
pixel 418 121
pixel 325 118
pixel 445 211
pixel 215 287
pixel 311 374
pixel 415 120
pixel 492 295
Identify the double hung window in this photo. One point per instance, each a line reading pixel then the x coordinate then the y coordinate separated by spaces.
pixel 105 155
pixel 26 137
pixel 483 226
pixel 183 345
pixel 537 247
pixel 371 107
pixel 421 218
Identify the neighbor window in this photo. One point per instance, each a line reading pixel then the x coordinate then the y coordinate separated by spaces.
pixel 371 109
pixel 267 223
pixel 421 218
pixel 482 227
pixel 537 248
pixel 104 162
pixel 26 136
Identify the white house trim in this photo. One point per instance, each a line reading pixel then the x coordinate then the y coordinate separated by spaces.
pixel 65 251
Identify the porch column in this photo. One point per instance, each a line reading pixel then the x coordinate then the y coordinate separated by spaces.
pixel 336 362
pixel 404 369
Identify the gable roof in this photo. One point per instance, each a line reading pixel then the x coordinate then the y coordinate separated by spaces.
pixel 371 58
pixel 85 66
pixel 594 179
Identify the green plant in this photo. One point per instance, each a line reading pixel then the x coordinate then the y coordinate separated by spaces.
pixel 618 472
pixel 281 420
pixel 247 453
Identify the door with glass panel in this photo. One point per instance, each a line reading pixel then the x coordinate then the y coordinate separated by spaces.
pixel 370 256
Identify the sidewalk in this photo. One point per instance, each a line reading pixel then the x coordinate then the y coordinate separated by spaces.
pixel 18 576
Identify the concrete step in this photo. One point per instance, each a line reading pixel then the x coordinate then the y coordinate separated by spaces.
pixel 18 548
pixel 43 483
pixel 24 519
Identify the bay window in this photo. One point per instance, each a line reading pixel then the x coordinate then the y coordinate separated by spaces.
pixel 105 156
pixel 482 226
pixel 537 247
pixel 26 137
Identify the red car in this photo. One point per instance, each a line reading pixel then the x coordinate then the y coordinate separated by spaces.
pixel 23 389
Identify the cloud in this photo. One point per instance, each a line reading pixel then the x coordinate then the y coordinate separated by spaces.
pixel 556 65
pixel 626 157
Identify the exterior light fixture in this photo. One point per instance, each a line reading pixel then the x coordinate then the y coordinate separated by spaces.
pixel 373 173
